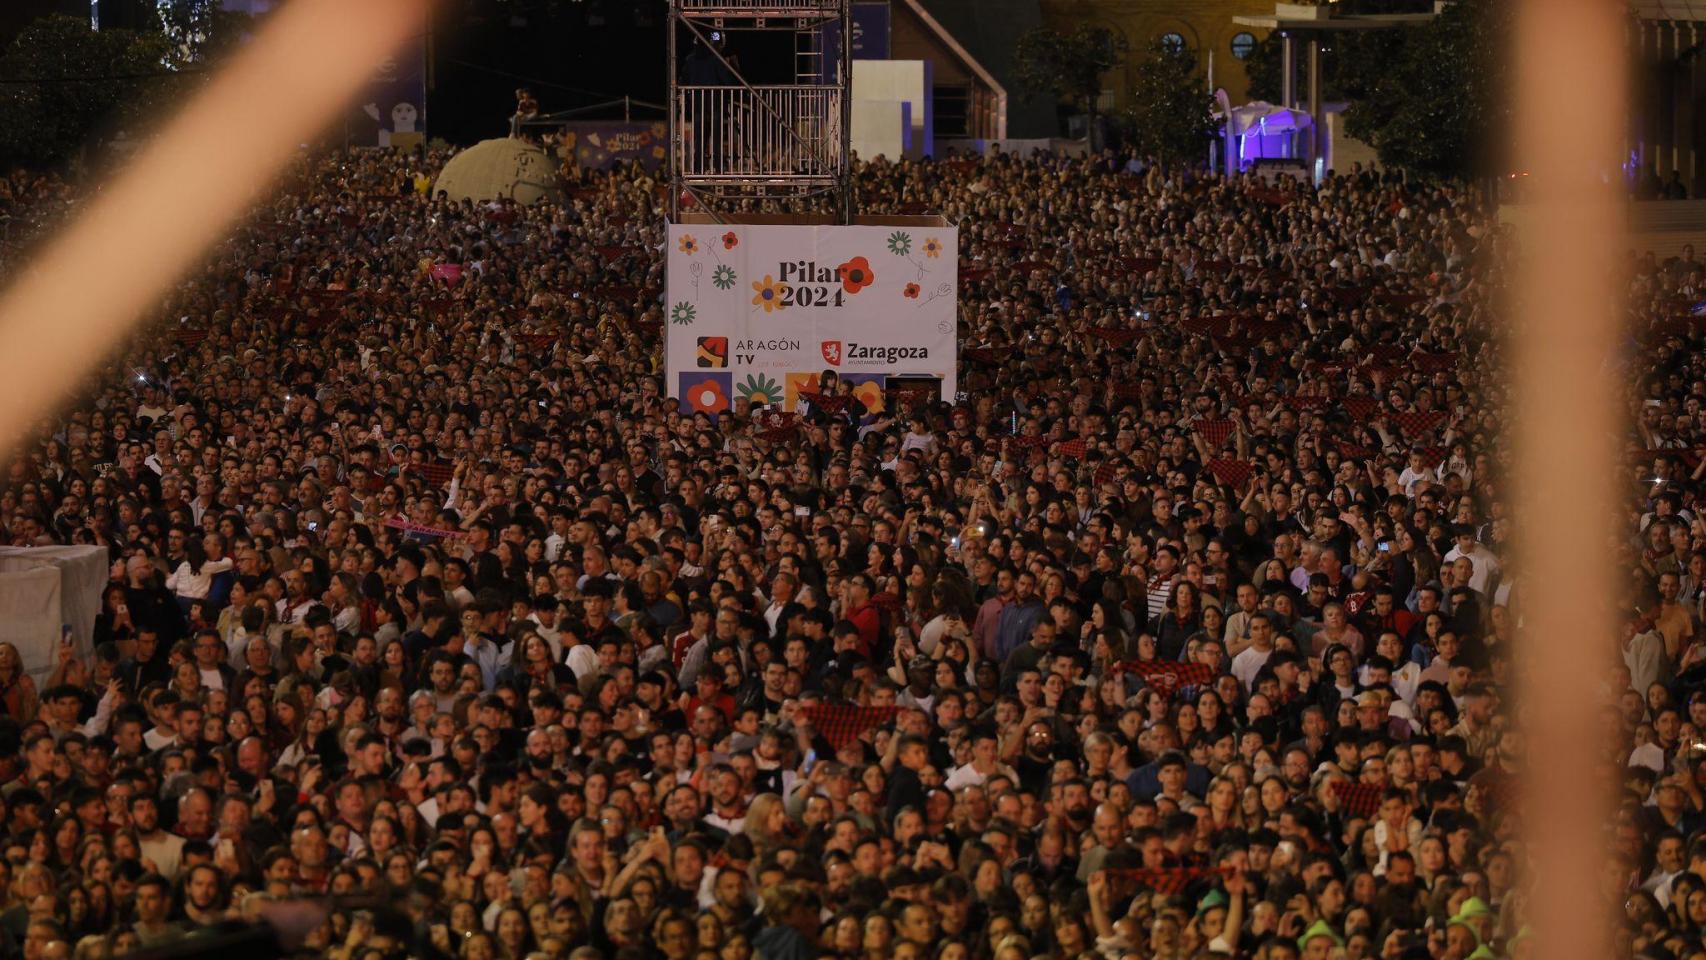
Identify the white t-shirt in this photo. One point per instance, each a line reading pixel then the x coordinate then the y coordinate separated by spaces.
pixel 1486 564
pixel 583 660
pixel 167 852
pixel 1247 664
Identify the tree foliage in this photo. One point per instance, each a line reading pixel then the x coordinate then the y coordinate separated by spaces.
pixel 1262 68
pixel 66 89
pixel 1070 65
pixel 1171 110
pixel 199 31
pixel 62 84
pixel 1432 99
pixel 1439 102
pixel 1350 63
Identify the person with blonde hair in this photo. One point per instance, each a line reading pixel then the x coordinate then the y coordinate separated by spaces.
pixel 17 687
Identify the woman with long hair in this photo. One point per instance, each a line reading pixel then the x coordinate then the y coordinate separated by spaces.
pixel 285 726
pixel 113 624
pixel 514 934
pixel 533 668
pixel 395 670
pixel 1220 811
pixel 1181 619
pixel 17 688
pixel 767 824
pixel 1215 719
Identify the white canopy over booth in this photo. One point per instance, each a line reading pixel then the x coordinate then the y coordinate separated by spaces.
pixel 43 589
pixel 1260 130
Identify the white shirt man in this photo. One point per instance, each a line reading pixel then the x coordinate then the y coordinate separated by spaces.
pixel 1486 563
pixel 1247 664
pixel 985 763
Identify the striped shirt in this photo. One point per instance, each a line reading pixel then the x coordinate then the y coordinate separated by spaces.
pixel 1160 591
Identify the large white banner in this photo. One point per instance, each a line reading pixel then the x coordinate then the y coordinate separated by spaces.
pixel 760 312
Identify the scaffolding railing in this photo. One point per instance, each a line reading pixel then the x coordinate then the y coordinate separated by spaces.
pixel 735 144
pixel 811 9
pixel 732 133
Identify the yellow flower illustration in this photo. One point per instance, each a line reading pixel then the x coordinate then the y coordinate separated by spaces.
pixel 932 248
pixel 767 293
pixel 689 245
pixel 869 394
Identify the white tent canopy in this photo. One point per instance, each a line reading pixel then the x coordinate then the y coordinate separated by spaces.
pixel 44 589
pixel 1259 116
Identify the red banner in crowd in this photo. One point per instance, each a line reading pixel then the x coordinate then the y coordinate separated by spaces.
pixel 1433 362
pixel 1167 676
pixel 1173 880
pixel 1357 799
pixel 1113 334
pixel 1360 408
pixel 1233 473
pixel 1414 423
pixel 827 402
pixel 775 426
pixel 436 474
pixel 1218 326
pixel 1353 451
pixel 842 724
pixel 1215 432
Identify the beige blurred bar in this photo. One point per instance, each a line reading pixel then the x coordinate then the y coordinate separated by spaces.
pixel 155 219
pixel 1571 116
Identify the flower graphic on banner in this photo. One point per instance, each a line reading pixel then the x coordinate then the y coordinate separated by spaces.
pixel 730 240
pixel 682 314
pixel 723 277
pixel 688 245
pixel 856 274
pixel 706 393
pixel 657 153
pixel 868 390
pixel 910 292
pixel 795 384
pixel 767 293
pixel 900 244
pixel 760 390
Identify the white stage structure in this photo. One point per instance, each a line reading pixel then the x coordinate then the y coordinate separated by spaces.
pixel 44 589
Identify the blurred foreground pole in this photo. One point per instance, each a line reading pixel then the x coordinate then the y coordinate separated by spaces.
pixel 1570 120
pixel 157 216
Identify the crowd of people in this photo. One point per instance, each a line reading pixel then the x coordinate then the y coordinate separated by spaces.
pixel 1185 632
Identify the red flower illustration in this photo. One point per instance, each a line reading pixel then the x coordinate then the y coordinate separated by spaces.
pixel 911 291
pixel 707 396
pixel 856 275
pixel 730 241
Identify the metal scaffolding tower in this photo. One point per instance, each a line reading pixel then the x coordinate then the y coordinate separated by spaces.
pixel 731 141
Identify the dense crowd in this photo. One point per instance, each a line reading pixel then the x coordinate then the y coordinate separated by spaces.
pixel 1186 632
